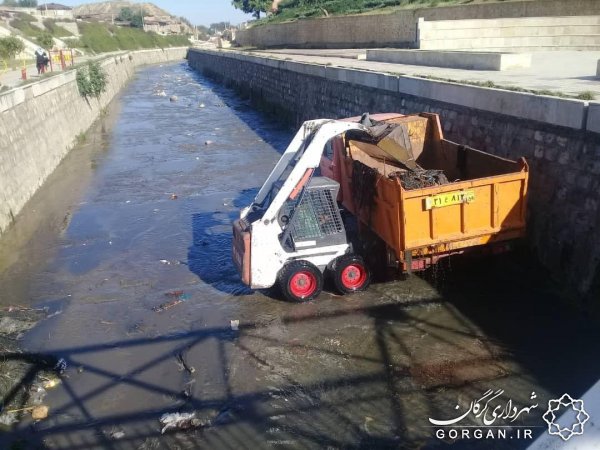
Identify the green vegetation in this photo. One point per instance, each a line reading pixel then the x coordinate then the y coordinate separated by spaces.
pixel 43 37
pixel 302 9
pixel 91 80
pixel 135 19
pixel 21 3
pixel 100 37
pixel 10 47
pixel 56 30
pixel 586 95
pixel 255 7
pixel 24 23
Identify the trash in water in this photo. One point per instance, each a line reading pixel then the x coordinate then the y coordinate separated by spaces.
pixel 39 412
pixel 173 196
pixel 168 263
pixel 14 326
pixel 168 305
pixel 61 366
pixel 116 435
pixel 179 297
pixel 181 421
pixel 208 142
pixel 174 294
pixel 183 363
pixel 8 418
pixel 50 383
pixel 37 394
pixel 173 98
pixel 235 324
pixel 202 105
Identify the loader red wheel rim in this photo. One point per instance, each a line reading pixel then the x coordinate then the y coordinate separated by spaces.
pixel 354 276
pixel 303 284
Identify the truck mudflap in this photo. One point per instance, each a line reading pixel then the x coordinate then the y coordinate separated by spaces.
pixel 241 249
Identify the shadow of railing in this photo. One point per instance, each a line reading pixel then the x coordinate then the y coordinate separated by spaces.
pixel 341 409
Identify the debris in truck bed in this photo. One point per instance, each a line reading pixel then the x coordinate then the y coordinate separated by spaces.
pixel 420 178
pixel 364 184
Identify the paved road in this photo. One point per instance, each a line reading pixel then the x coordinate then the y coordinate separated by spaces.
pixel 12 78
pixel 570 72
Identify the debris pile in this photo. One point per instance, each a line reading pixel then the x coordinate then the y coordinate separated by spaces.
pixel 26 377
pixel 420 178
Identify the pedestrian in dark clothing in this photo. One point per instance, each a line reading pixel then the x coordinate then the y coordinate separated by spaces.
pixel 39 61
pixel 46 62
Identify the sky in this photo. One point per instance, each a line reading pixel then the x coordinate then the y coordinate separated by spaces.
pixel 200 12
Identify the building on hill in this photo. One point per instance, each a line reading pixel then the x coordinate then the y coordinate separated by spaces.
pixel 163 25
pixel 55 11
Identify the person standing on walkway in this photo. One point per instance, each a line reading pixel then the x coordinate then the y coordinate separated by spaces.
pixel 39 61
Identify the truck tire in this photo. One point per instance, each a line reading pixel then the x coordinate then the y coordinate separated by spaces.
pixel 300 281
pixel 350 274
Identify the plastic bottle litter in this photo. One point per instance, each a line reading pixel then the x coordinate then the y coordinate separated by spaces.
pixel 116 435
pixel 235 325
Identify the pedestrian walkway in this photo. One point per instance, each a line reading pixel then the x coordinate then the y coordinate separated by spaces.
pixel 568 72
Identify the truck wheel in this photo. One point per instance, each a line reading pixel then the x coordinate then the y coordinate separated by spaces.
pixel 350 274
pixel 300 281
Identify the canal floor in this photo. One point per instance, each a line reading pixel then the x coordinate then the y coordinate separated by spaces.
pixel 138 217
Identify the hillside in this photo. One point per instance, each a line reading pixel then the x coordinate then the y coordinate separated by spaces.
pixel 109 10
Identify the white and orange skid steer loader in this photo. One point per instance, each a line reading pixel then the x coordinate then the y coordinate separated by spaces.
pixel 292 233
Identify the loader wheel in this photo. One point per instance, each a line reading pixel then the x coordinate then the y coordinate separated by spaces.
pixel 350 274
pixel 300 281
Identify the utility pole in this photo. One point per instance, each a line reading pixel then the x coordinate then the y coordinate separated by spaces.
pixel 142 14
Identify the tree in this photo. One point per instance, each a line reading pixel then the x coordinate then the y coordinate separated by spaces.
pixel 125 14
pixel 28 3
pixel 10 3
pixel 10 47
pixel 45 40
pixel 219 26
pixel 135 19
pixel 254 7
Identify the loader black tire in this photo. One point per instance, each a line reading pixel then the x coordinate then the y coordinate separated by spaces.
pixel 300 281
pixel 350 274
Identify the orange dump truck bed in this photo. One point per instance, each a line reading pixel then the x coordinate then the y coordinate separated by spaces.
pixel 484 201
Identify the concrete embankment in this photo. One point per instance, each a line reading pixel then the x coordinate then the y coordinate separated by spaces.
pixel 40 123
pixel 559 138
pixel 399 29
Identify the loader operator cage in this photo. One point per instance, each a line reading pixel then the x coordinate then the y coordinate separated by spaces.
pixel 315 221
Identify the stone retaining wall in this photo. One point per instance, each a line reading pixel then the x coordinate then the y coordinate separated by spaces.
pixel 40 122
pixel 564 222
pixel 398 29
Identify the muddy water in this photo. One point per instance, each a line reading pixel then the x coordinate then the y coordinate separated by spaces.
pixel 140 216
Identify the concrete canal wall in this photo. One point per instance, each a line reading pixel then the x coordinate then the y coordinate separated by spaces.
pixel 559 137
pixel 40 122
pixel 399 29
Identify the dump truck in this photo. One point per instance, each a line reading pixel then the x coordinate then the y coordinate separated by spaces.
pixel 372 193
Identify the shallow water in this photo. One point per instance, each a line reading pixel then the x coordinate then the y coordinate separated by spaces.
pixel 143 211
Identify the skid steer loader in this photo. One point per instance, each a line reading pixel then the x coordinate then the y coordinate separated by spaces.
pixel 292 233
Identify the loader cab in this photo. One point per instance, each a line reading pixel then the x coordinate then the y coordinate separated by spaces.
pixel 314 220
